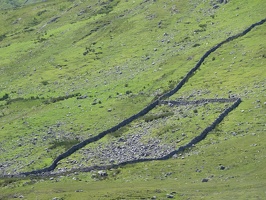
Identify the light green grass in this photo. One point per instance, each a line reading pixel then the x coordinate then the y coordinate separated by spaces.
pixel 48 62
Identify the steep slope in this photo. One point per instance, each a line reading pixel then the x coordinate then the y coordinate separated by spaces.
pixel 116 57
pixel 7 4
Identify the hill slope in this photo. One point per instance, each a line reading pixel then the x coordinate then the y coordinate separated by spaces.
pixel 72 69
pixel 7 4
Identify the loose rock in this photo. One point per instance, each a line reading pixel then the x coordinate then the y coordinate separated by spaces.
pixel 205 180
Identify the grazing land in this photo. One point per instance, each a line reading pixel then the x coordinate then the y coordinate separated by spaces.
pixel 70 70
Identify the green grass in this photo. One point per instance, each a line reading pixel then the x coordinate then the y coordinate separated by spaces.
pixel 154 179
pixel 119 55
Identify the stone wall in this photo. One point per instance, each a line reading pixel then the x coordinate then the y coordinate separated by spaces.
pixel 196 102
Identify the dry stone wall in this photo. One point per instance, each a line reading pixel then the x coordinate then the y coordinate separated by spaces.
pixel 196 102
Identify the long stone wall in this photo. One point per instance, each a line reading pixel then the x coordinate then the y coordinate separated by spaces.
pixel 196 102
pixel 193 142
pixel 150 107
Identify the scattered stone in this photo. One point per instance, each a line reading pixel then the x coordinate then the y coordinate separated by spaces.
pixel 102 173
pixel 222 167
pixel 204 180
pixel 215 6
pixel 170 196
pixel 154 197
pixel 159 24
pixel 168 174
pixel 234 133
pixel 57 198
pixel 79 191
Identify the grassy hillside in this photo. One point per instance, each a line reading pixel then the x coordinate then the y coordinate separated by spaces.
pixel 71 69
pixel 7 4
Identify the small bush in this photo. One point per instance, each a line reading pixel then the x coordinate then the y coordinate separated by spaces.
pixel 45 82
pixel 196 45
pixel 61 98
pixel 203 26
pixel 2 37
pixel 149 118
pixel 6 182
pixel 65 143
pixel 164 129
pixel 119 132
pixel 4 97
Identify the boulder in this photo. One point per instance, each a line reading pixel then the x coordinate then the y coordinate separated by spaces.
pixel 204 180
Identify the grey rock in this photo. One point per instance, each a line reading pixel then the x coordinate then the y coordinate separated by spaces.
pixel 56 198
pixel 234 133
pixel 204 180
pixel 222 167
pixel 170 196
pixel 215 6
pixel 102 173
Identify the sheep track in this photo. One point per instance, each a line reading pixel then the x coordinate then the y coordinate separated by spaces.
pixel 160 100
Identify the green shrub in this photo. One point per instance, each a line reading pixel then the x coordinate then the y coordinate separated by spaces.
pixel 149 118
pixel 63 143
pixel 4 97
